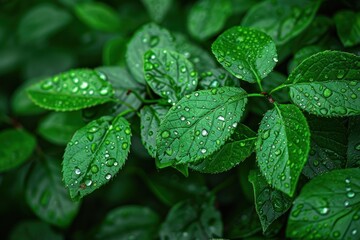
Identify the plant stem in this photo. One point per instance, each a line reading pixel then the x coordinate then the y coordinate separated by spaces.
pixel 256 95
pixel 126 112
pixel 278 88
pixel 137 95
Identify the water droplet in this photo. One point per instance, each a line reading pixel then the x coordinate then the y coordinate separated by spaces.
pixel 353 96
pixel 277 152
pixel 169 151
pixel 151 133
pixel 182 118
pixel 221 118
pixel 127 131
pixel 124 145
pixel 203 150
pixel 327 93
pixel 323 111
pixel 108 176
pixel 204 132
pixel 93 129
pixel 346 203
pixel 324 210
pixel 90 137
pixel 84 85
pixel 336 234
pixel 47 85
pixel 93 147
pixel 165 134
pixel 353 232
pixel 77 171
pixel 104 91
pixel 275 59
pixel 350 194
pixel 88 182
pixel 154 40
pixel 266 134
pixel 94 169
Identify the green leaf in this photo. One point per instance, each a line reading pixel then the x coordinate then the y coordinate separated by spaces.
pixel 192 219
pixel 201 59
pixel 208 17
pixel 273 80
pixel 59 127
pixel 157 9
pixel 282 147
pixel 31 230
pixel 42 21
pixel 46 194
pixel 147 37
pixel 217 77
pixel 270 203
pixel 244 223
pixel 282 19
pixel 253 54
pixel 237 148
pixel 95 154
pixel 129 222
pixel 72 90
pixel 327 146
pixel 327 84
pixel 199 124
pixel 98 16
pixel 114 52
pixel 302 54
pixel 348 27
pixel 327 207
pixel 16 147
pixel 151 117
pixel 169 74
pixel 353 148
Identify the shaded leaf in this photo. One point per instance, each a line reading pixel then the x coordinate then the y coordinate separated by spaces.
pixel 95 154
pixel 114 52
pixel 353 146
pixel 217 77
pixel 348 27
pixel 157 9
pixel 31 230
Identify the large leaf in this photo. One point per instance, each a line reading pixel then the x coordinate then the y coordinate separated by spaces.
pixel 327 84
pixel 208 17
pixel 169 74
pixel 217 77
pixel 46 195
pixel 16 148
pixel 348 27
pixel 95 154
pixel 353 146
pixel 281 19
pixel 58 127
pixel 327 146
pixel 327 207
pixel 192 219
pixel 270 203
pixel 98 16
pixel 252 56
pixel 41 21
pixel 237 148
pixel 129 222
pixel 31 230
pixel 72 90
pixel 157 9
pixel 151 117
pixel 147 37
pixel 282 147
pixel 199 124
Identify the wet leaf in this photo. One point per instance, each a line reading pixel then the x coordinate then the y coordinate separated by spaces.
pixel 217 77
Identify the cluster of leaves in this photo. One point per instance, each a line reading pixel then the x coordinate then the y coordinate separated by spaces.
pixel 231 129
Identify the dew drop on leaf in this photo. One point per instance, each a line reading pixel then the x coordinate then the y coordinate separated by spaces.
pixel 108 176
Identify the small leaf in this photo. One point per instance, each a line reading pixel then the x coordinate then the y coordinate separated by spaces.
pixel 327 84
pixel 327 207
pixel 303 54
pixel 353 147
pixel 217 77
pixel 192 219
pixel 348 27
pixel 16 147
pixel 327 146
pixel 129 222
pixel 59 127
pixel 31 230
pixel 282 147
pixel 157 9
pixel 208 17
pixel 282 19
pixel 151 117
pixel 114 52
pixel 98 16
pixel 253 54
pixel 72 90
pixel 47 196
pixel 239 146
pixel 199 124
pixel 95 155
pixel 270 204
pixel 146 38
pixel 42 21
pixel 169 74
